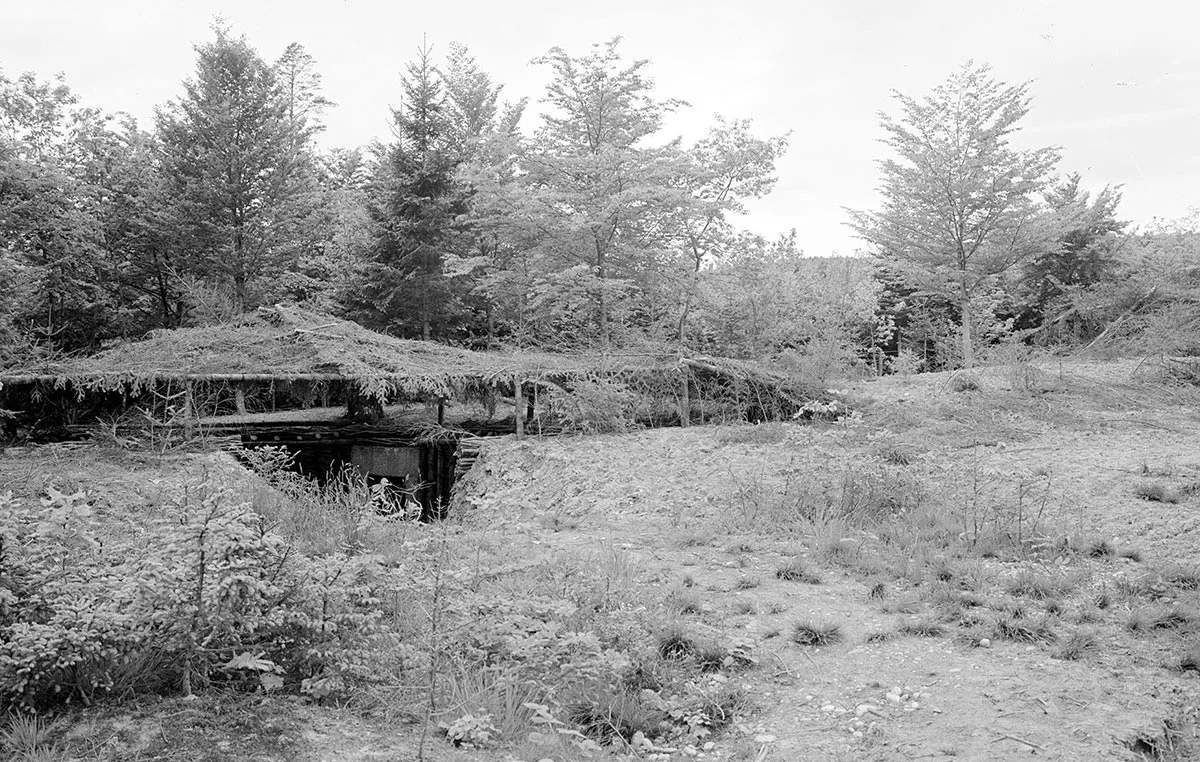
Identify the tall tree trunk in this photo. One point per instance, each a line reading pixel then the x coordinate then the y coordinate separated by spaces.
pixel 968 345
pixel 239 270
pixel 601 305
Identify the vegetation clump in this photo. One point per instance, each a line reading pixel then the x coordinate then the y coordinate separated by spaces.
pixel 814 633
pixel 796 571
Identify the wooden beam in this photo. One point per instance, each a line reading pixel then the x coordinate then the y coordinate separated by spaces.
pixel 518 404
pixel 88 378
pixel 685 401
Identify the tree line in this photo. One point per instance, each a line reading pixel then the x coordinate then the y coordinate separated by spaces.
pixel 592 228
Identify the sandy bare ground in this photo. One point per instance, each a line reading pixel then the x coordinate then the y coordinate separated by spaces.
pixel 1090 433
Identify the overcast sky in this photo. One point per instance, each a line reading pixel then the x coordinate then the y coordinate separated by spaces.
pixel 1116 85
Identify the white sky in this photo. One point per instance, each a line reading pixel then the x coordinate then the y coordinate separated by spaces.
pixel 1117 86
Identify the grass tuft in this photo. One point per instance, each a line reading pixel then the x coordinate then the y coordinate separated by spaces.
pixel 1182 576
pixel 1188 659
pixel 1023 630
pixel 711 657
pixel 923 628
pixel 811 633
pixel 1130 552
pixel 1156 492
pixel 747 583
pixel 1043 586
pixel 1148 618
pixel 622 715
pixel 795 572
pixel 1076 646
pixel 676 643
pixel 683 601
pixel 964 382
pixel 744 606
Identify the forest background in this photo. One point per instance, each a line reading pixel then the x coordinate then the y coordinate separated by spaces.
pixel 585 226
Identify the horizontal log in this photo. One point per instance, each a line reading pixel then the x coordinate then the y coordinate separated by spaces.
pixel 249 378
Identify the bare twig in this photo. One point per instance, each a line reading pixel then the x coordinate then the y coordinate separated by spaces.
pixel 1018 739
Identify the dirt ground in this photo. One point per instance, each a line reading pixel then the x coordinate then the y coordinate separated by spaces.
pixel 1078 440
pixel 1095 430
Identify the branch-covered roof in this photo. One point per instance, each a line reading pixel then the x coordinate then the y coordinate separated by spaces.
pixel 287 343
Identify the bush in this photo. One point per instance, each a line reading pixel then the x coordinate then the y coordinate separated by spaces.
pixel 594 406
pixel 200 593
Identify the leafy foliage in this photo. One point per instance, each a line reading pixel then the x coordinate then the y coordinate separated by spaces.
pixel 203 593
pixel 959 202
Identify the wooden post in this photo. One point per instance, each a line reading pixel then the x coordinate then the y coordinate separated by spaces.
pixel 441 411
pixel 685 402
pixel 189 412
pixel 518 403
pixel 239 399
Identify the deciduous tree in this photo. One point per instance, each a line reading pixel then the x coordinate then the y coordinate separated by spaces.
pixel 960 203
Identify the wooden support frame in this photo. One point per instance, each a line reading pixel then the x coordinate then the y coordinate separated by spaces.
pixel 518 412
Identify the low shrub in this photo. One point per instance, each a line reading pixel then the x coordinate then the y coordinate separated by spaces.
pixel 201 592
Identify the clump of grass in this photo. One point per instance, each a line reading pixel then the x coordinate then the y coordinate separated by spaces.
pixel 620 715
pixel 943 569
pixel 744 606
pixel 1015 610
pixel 1023 629
pixel 1150 618
pixel 903 606
pixel 1130 552
pixel 976 632
pixel 794 571
pixel 676 643
pixel 776 607
pixel 650 672
pixel 747 583
pixel 742 546
pixel 1182 576
pixel 696 539
pixel 1157 492
pixel 840 551
pixel 964 382
pixel 881 636
pixel 923 628
pixel 812 633
pixel 974 618
pixel 1076 646
pixel 896 455
pixel 972 600
pixel 711 657
pixel 718 709
pixel 683 601
pixel 1054 607
pixel 1042 586
pixel 877 592
pixel 1188 659
pixel 1100 549
pixel 28 737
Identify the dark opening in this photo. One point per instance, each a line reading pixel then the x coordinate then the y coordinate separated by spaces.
pixel 423 471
